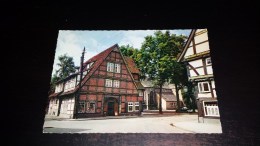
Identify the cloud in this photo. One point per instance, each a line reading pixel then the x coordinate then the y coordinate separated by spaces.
pixel 136 38
pixel 73 42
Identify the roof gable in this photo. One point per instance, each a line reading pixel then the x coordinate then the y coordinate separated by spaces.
pixel 131 65
pixel 186 46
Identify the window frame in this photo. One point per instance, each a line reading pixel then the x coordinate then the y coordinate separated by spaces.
pixel 84 106
pixel 116 83
pixel 110 67
pixel 109 83
pixel 136 104
pixel 117 68
pixel 88 105
pixel 130 104
pixel 201 87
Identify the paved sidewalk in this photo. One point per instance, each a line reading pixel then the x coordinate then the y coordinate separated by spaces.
pixel 181 123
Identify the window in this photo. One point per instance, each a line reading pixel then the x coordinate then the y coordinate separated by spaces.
pixel 108 83
pixel 81 107
pixel 117 68
pixel 91 107
pixel 208 61
pixel 203 87
pixel 136 106
pixel 130 106
pixel 116 83
pixel 110 67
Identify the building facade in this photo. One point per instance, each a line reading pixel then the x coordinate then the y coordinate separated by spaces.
pixel 109 87
pixel 152 97
pixel 196 56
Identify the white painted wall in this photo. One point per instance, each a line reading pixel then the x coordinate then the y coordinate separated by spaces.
pixel 53 107
pixel 189 52
pixel 70 84
pixel 59 87
pixel 200 38
pixel 209 70
pixel 196 63
pixel 208 94
pixel 67 108
pixel 163 104
pixel 202 47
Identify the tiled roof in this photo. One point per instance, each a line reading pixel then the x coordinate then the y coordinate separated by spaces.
pixel 168 96
pixel 139 85
pixel 98 59
pixel 131 65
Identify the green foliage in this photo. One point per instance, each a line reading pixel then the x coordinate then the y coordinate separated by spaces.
pixel 188 97
pixel 66 66
pixel 54 79
pixel 157 59
pixel 157 56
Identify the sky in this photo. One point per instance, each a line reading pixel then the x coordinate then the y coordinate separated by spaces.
pixel 72 42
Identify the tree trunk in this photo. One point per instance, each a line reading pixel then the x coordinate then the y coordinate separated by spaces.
pixel 177 96
pixel 160 101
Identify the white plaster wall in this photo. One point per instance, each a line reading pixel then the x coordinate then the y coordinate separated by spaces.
pixel 163 104
pixel 213 84
pixel 70 85
pixel 67 108
pixel 200 38
pixel 196 63
pixel 202 47
pixel 209 70
pixel 192 73
pixel 204 95
pixel 189 52
pixel 200 71
pixel 53 107
pixel 198 30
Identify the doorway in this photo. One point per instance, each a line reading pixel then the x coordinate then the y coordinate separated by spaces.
pixel 110 108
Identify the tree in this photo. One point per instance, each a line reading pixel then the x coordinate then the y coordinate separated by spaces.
pixel 157 58
pixel 54 79
pixel 66 66
pixel 179 79
pixel 189 97
pixel 129 51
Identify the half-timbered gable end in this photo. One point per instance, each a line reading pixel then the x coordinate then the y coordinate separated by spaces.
pixel 196 56
pixel 108 87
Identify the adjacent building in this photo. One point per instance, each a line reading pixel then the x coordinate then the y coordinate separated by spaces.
pixel 152 97
pixel 196 56
pixel 110 86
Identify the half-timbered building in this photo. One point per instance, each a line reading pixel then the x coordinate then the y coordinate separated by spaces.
pixel 109 86
pixel 196 56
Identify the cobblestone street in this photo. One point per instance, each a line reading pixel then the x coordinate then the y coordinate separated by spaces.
pixel 183 123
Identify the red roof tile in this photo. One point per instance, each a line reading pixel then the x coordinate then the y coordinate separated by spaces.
pixel 131 65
